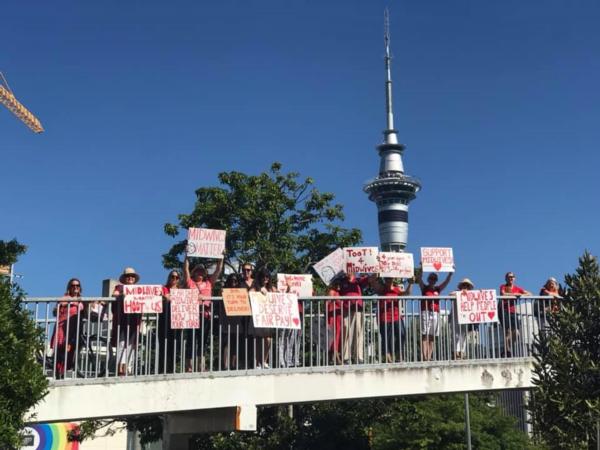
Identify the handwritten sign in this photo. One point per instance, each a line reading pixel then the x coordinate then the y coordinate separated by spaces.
pixel 142 298
pixel 236 302
pixel 301 285
pixel 361 260
pixel 206 243
pixel 330 266
pixel 396 265
pixel 185 310
pixel 275 310
pixel 477 306
pixel 437 259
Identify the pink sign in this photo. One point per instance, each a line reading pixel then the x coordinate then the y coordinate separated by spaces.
pixel 437 259
pixel 361 260
pixel 330 266
pixel 477 306
pixel 185 310
pixel 275 310
pixel 396 265
pixel 301 285
pixel 142 298
pixel 206 243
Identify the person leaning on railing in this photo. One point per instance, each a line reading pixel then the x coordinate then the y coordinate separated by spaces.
pixel 167 337
pixel 550 289
pixel 64 337
pixel 508 314
pixel 125 326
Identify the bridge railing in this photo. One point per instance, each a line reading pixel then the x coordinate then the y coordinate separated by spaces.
pixel 84 339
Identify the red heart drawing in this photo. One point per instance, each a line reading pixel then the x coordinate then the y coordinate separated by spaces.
pixel 491 315
pixel 296 321
pixel 437 265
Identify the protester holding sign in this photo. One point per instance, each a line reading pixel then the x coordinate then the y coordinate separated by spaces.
pixel 261 344
pixel 125 326
pixel 352 317
pixel 64 337
pixel 198 341
pixel 430 311
pixel 462 333
pixel 508 317
pixel 391 315
pixel 232 328
pixel 167 342
pixel 334 322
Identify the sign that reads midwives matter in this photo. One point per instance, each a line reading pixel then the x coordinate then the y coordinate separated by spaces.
pixel 206 243
pixel 361 260
pixel 330 266
pixel 477 306
pixel 396 265
pixel 437 259
pixel 142 298
pixel 184 308
pixel 275 310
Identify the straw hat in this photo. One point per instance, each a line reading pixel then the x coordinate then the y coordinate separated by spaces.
pixel 129 271
pixel 466 281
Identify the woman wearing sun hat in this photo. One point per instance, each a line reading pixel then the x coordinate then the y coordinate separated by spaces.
pixel 125 327
pixel 462 333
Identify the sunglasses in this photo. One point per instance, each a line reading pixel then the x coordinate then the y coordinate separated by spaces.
pixel 74 285
pixel 247 270
pixel 174 276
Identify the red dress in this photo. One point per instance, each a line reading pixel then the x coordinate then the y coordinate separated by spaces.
pixel 334 320
pixel 64 337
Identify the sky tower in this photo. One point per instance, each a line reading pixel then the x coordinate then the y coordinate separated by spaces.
pixel 391 190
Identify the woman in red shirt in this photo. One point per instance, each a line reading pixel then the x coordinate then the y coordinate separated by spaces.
pixel 508 317
pixel 334 323
pixel 64 338
pixel 430 312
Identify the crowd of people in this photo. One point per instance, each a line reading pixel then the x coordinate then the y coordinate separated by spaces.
pixel 241 345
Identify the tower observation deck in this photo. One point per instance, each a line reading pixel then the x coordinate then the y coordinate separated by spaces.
pixel 392 190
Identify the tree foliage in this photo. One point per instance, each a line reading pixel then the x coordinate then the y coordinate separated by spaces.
pixel 22 380
pixel 272 219
pixel 566 407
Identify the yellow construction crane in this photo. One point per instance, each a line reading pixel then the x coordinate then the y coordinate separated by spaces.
pixel 8 99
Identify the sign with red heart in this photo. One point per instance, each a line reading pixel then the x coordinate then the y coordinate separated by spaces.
pixel 437 259
pixel 477 306
pixel 275 310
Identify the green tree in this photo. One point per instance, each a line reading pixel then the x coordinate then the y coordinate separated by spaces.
pixel 272 220
pixel 566 406
pixel 22 380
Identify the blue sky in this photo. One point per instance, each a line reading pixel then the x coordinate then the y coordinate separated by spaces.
pixel 145 101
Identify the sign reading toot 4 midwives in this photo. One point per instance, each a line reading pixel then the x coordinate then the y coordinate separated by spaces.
pixel 206 243
pixel 361 260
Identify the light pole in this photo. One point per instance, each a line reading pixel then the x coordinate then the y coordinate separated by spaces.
pixel 467 421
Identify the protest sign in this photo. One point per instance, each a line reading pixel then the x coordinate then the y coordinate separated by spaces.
pixel 361 260
pixel 301 285
pixel 185 310
pixel 206 243
pixel 275 310
pixel 142 298
pixel 396 265
pixel 330 266
pixel 437 259
pixel 236 302
pixel 476 306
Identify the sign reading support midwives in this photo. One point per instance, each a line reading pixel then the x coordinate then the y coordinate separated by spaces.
pixel 206 243
pixel 236 302
pixel 330 266
pixel 477 306
pixel 142 298
pixel 361 260
pixel 275 310
pixel 185 308
pixel 437 259
pixel 396 265
pixel 301 285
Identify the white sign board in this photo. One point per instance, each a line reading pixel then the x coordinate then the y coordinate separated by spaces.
pixel 361 260
pixel 206 243
pixel 185 310
pixel 396 265
pixel 275 310
pixel 142 298
pixel 301 285
pixel 476 306
pixel 330 266
pixel 437 259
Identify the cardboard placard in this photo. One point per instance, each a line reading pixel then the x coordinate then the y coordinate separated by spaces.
pixel 330 266
pixel 185 308
pixel 236 302
pixel 478 306
pixel 142 298
pixel 396 265
pixel 361 260
pixel 301 285
pixel 206 243
pixel 437 259
pixel 275 310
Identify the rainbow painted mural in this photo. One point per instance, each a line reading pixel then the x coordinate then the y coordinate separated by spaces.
pixel 49 436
